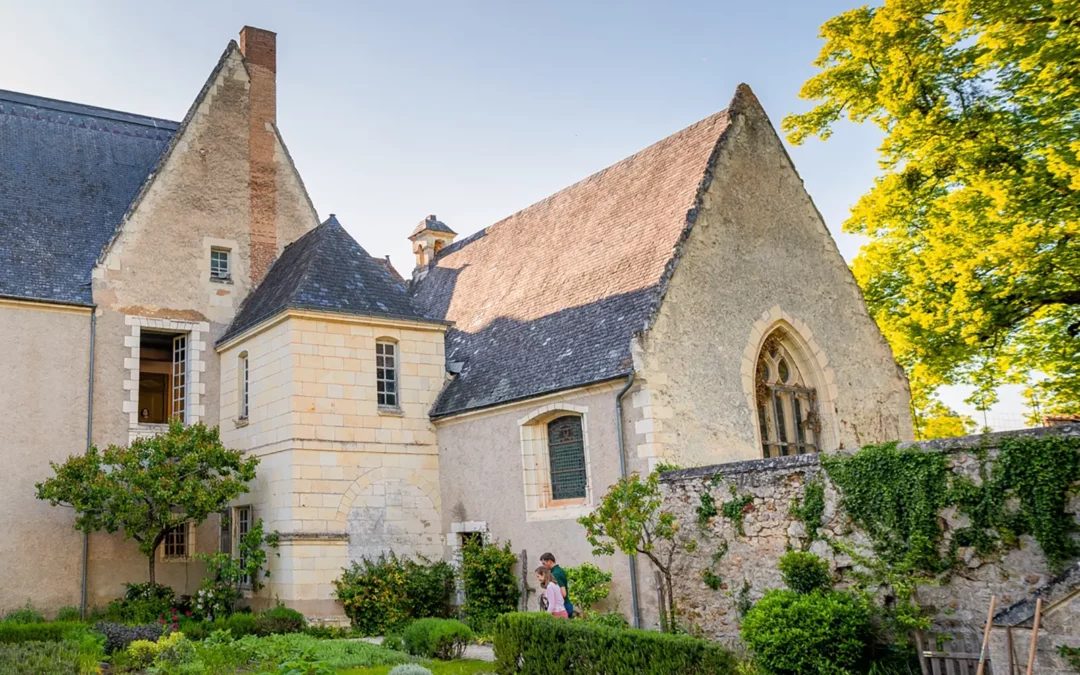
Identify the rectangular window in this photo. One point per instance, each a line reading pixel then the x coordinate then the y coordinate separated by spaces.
pixel 566 450
pixel 162 377
pixel 178 542
pixel 386 373
pixel 179 377
pixel 219 264
pixel 244 387
pixel 242 517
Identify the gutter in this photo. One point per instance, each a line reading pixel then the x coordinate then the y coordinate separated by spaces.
pixel 622 471
pixel 89 443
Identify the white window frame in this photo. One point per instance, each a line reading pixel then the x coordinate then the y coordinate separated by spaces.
pixel 216 274
pixel 387 377
pixel 240 527
pixel 196 348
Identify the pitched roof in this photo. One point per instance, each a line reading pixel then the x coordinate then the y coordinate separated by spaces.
pixel 432 223
pixel 550 297
pixel 67 175
pixel 326 271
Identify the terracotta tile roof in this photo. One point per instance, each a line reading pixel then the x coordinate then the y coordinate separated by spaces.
pixel 550 297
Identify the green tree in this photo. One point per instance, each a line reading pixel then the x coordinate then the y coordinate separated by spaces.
pixel 973 265
pixel 630 519
pixel 155 484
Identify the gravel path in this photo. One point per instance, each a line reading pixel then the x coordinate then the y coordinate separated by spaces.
pixel 475 652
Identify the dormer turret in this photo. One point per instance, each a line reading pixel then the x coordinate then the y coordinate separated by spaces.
pixel 429 237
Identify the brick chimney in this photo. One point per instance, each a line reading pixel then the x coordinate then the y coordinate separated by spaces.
pixel 259 48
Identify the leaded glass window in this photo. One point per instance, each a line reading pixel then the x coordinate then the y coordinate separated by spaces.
pixel 566 450
pixel 786 404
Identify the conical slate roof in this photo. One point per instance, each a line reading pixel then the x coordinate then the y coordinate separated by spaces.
pixel 327 271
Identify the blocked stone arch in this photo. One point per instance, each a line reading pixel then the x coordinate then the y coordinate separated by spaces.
pixel 392 509
pixel 812 360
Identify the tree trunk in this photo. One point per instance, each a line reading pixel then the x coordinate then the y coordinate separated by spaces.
pixel 152 566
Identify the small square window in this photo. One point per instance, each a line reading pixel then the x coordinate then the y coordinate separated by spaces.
pixel 177 545
pixel 219 264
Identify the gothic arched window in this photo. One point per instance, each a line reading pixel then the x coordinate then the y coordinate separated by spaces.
pixel 786 402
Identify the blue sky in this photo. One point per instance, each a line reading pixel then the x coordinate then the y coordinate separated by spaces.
pixel 467 110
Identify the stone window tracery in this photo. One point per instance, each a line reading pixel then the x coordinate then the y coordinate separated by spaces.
pixel 786 402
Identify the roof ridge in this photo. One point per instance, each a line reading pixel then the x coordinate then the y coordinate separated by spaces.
pixel 458 245
pixel 75 108
pixel 167 153
pixel 318 232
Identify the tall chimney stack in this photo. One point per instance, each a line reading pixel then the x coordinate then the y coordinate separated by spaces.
pixel 259 48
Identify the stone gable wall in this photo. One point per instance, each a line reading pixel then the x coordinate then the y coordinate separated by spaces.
pixel 749 566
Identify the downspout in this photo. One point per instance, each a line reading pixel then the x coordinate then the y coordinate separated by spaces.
pixel 89 443
pixel 622 472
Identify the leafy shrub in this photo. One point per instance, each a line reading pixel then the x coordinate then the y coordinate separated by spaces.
pixel 174 649
pixel 118 636
pixel 817 632
pixel 539 644
pixel 328 632
pixel 409 669
pixel 393 642
pixel 444 639
pixel 13 633
pixel 68 614
pixel 609 620
pixel 804 572
pixel 280 619
pixel 381 596
pixel 429 587
pixel 142 603
pixel 39 658
pixel 588 585
pixel 491 588
pixel 25 614
pixel 142 653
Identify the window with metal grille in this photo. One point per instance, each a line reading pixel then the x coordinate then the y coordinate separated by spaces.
pixel 177 541
pixel 566 451
pixel 179 377
pixel 787 406
pixel 386 374
pixel 244 386
pixel 219 264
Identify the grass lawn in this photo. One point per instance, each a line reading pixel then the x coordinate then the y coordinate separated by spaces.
pixel 437 668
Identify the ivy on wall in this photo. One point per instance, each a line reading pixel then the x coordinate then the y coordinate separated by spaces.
pixel 896 497
pixel 810 508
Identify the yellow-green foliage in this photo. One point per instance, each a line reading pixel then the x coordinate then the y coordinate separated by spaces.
pixel 972 270
pixel 142 653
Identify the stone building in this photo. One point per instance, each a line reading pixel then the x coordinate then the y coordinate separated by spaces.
pixel 686 305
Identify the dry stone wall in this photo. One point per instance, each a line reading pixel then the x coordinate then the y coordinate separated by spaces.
pixel 735 560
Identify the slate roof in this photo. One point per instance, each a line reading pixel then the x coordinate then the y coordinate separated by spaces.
pixel 550 298
pixel 326 271
pixel 68 173
pixel 432 223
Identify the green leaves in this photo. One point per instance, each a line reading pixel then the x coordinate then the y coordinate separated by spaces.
pixel 156 483
pixel 972 271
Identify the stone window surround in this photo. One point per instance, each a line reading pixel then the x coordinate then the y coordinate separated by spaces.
pixel 453 542
pixel 810 359
pixel 536 465
pixel 196 347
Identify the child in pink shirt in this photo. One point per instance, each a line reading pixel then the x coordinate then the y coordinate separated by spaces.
pixel 551 599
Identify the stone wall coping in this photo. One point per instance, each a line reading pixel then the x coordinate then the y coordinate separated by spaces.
pixel 313 536
pixel 958 444
pixel 1061 587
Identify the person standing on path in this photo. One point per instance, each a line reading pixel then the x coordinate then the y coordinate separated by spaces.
pixel 551 598
pixel 559 574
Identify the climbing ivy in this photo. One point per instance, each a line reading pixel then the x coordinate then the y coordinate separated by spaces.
pixel 736 509
pixel 706 508
pixel 711 579
pixel 810 508
pixel 895 497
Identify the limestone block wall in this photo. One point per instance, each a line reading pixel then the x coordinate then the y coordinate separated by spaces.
pixel 340 477
pixel 748 567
